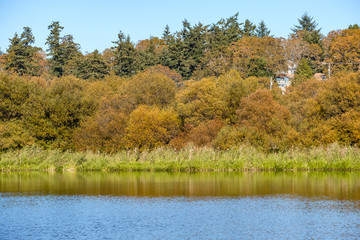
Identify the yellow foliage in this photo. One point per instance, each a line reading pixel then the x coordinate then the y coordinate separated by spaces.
pixel 150 127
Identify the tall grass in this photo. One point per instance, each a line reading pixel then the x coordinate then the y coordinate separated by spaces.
pixel 188 159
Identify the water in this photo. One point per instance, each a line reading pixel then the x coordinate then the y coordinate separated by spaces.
pixel 262 205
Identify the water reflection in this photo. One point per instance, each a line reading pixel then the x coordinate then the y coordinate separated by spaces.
pixel 332 185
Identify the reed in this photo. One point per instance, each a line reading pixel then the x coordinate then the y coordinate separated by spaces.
pixel 189 159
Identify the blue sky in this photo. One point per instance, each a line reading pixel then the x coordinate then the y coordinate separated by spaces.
pixel 95 24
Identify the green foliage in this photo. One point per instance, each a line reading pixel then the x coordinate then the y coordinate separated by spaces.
pixel 55 51
pixel 262 30
pixel 91 66
pixel 125 56
pixel 20 56
pixel 303 72
pixel 355 26
pixel 307 31
pixel 249 29
pixel 190 159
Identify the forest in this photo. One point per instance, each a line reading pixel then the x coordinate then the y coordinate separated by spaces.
pixel 204 85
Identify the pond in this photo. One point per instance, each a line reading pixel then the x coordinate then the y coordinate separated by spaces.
pixel 148 205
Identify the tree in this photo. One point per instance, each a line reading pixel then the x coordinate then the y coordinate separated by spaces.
pixel 151 127
pixel 262 30
pixel 253 56
pixel 69 48
pixel 150 51
pixel 303 72
pixel 105 131
pixel 21 56
pixel 306 30
pixel 125 56
pixel 185 49
pixel 355 26
pixel 264 122
pixel 199 101
pixel 249 29
pixel 91 66
pixel 55 50
pixel 297 49
pixel 344 47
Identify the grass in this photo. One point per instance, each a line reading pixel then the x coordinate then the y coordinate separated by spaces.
pixel 189 159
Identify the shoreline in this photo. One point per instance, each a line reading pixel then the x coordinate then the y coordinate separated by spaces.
pixel 190 159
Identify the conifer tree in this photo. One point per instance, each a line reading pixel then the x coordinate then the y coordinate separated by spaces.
pixel 303 72
pixel 262 30
pixel 307 30
pixel 249 28
pixel 20 54
pixel 125 56
pixel 55 50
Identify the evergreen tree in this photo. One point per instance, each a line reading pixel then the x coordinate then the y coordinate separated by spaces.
pixel 92 66
pixel 303 72
pixel 125 56
pixel 249 28
pixel 185 49
pixel 20 57
pixel 225 32
pixel 262 30
pixel 148 55
pixel 55 50
pixel 69 48
pixel 355 26
pixel 307 30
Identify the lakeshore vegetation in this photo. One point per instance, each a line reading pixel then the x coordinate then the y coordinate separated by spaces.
pixel 199 99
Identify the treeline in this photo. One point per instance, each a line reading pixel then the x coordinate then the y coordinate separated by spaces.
pixel 148 110
pixel 195 52
pixel 205 86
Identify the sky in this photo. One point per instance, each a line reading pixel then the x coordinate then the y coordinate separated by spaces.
pixel 95 24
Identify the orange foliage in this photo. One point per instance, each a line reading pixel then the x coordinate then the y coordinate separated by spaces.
pixel 267 48
pixel 202 135
pixel 102 132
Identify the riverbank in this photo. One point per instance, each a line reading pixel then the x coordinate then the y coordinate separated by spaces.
pixel 189 159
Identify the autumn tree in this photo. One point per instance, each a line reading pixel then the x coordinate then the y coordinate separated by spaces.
pixel 199 101
pixel 344 49
pixel 52 115
pixel 105 132
pixel 265 123
pixel 253 56
pixel 151 127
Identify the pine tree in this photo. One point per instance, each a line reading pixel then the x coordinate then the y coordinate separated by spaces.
pixel 249 28
pixel 307 30
pixel 355 26
pixel 262 30
pixel 92 66
pixel 20 57
pixel 55 50
pixel 303 72
pixel 125 56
